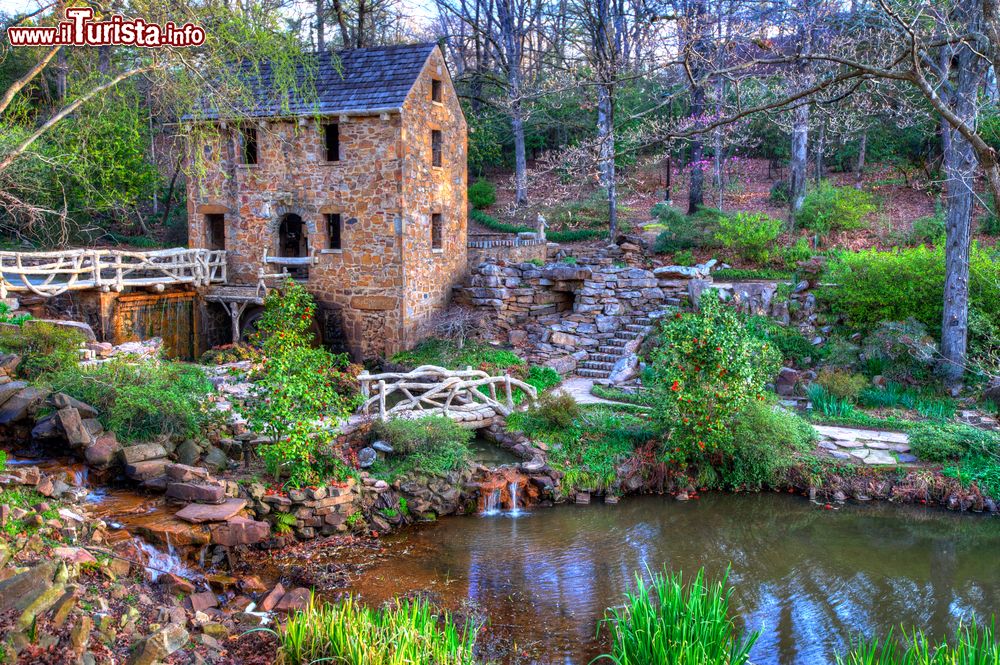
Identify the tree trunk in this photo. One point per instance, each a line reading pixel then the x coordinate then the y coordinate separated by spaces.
pixel 696 193
pixel 520 160
pixel 820 153
pixel 320 32
pixel 960 165
pixel 859 166
pixel 606 134
pixel 799 157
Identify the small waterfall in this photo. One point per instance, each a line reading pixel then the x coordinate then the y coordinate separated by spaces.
pixel 494 503
pixel 159 562
pixel 514 510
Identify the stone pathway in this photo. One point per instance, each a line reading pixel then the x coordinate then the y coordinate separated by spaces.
pixel 872 447
pixel 579 388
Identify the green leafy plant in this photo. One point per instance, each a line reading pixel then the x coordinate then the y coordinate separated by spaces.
pixel 140 400
pixel 406 632
pixel 797 253
pixel 841 384
pixel 44 347
pixel 942 442
pixel 668 621
pixel 300 392
pixel 482 194
pixel 895 395
pixel 7 315
pixel 684 258
pixel 828 208
pixel 684 232
pixel 781 192
pixel 973 644
pixel 434 445
pixel 557 411
pixel 751 235
pixel 747 274
pixel 929 229
pixel 707 369
pixel 789 340
pixel 283 523
pixel 766 440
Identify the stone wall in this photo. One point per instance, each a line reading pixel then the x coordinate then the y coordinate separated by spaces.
pixel 386 279
pixel 502 247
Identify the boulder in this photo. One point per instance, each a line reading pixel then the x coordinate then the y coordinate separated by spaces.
pixel 64 401
pixel 201 492
pixel 294 600
pixel 563 364
pixel 203 601
pixel 367 457
pixel 198 513
pixel 83 328
pixel 143 471
pixel 786 382
pixel 143 452
pixel 72 425
pixel 240 531
pixel 188 453
pixel 158 646
pixel 269 601
pixel 8 390
pixel 46 429
pixel 9 363
pixel 186 473
pixel 103 451
pixel 625 369
pixel 19 406
pixel 215 459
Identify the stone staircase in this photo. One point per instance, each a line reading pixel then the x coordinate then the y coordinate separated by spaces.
pixel 600 363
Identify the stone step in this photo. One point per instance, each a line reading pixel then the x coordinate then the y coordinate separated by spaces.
pixel 605 357
pixel 596 364
pixel 617 342
pixel 609 350
pixel 643 321
pixel 634 327
pixel 626 335
pixel 593 373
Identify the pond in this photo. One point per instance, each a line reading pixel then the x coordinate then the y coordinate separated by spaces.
pixel 807 577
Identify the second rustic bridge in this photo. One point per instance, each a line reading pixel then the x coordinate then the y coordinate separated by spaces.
pixel 467 396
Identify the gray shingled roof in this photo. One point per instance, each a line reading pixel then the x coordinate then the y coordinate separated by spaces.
pixel 357 80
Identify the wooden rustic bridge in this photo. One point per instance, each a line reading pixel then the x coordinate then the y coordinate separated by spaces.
pixel 467 396
pixel 50 274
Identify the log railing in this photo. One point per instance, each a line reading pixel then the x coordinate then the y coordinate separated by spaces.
pixel 432 390
pixel 51 274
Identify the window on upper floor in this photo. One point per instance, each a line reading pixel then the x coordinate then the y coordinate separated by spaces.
pixel 435 147
pixel 437 229
pixel 248 145
pixel 215 231
pixel 331 141
pixel 436 90
pixel 334 230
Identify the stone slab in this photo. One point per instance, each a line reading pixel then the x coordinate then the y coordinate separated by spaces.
pixel 199 513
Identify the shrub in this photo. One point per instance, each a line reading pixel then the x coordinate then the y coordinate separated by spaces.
pixel 482 194
pixel 942 442
pixel 781 192
pixel 929 229
pixel 841 384
pixel 685 232
pixel 140 401
pixel 765 440
pixel 874 286
pixel 752 235
pixel 668 621
pixel 684 258
pixel 494 224
pixel 827 405
pixel 435 445
pixel 789 340
pixel 707 368
pixel 829 208
pixel 557 411
pixel 296 388
pixel 408 631
pixel 902 351
pixel 44 347
pixel 447 354
pixel 797 253
pixel 742 274
pixel 667 215
pixel 972 643
pixel 230 353
pixel 542 378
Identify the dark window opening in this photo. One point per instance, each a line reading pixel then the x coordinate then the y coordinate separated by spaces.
pixel 331 137
pixel 436 230
pixel 248 144
pixel 435 147
pixel 215 225
pixel 333 229
pixel 293 243
pixel 435 90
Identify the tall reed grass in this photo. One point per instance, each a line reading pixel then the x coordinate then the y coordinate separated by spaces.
pixel 973 644
pixel 347 633
pixel 669 622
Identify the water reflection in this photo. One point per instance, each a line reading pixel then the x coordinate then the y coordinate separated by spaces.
pixel 808 578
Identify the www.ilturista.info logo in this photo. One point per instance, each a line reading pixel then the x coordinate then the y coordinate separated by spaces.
pixel 80 29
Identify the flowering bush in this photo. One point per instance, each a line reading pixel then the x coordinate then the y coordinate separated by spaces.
pixel 707 369
pixel 300 392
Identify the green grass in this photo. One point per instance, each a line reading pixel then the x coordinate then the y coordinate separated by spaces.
pixel 740 274
pixel 19 497
pixel 447 354
pixel 569 235
pixel 590 449
pixel 347 633
pixel 624 396
pixel 831 410
pixel 973 644
pixel 668 621
pixel 896 396
pixel 433 445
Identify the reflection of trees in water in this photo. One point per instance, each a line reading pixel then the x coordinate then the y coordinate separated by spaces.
pixel 812 577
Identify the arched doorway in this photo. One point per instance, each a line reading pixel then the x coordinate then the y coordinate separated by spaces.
pixel 292 239
pixel 293 242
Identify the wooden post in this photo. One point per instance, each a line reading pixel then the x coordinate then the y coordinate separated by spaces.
pixel 363 377
pixel 381 399
pixel 510 396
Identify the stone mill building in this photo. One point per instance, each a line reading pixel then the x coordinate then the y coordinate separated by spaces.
pixel 359 192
